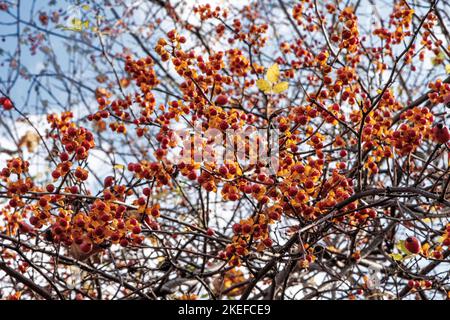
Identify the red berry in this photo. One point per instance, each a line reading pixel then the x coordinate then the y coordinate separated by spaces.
pixel 224 125
pixel 247 228
pixel 267 242
pixel 293 190
pixel 5 172
pixel 223 170
pixel 115 237
pixel 441 133
pixel 309 184
pixel 136 230
pixel 437 255
pixel 57 229
pixel 147 191
pixel 192 175
pixel 7 104
pixel 34 220
pixel 124 242
pixel 13 203
pixel 25 227
pixel 81 150
pixel 86 247
pixel 237 228
pixel 56 174
pixel 274 215
pixel 64 156
pixel 412 244
pixel 155 212
pixel 233 197
pixel 79 223
pixel 109 180
pixel 74 189
pixel 43 202
pixel 99 232
pixel 221 100
pixel 372 213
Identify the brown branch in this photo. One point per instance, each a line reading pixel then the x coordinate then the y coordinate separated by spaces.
pixel 21 278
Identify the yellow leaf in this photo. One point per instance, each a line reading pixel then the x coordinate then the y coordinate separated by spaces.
pixel 401 246
pixel 438 59
pixel 263 85
pixel 119 166
pixel 76 22
pixel 85 7
pixel 76 29
pixel 396 256
pixel 447 68
pixel 273 73
pixel 425 247
pixel 78 25
pixel 280 87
